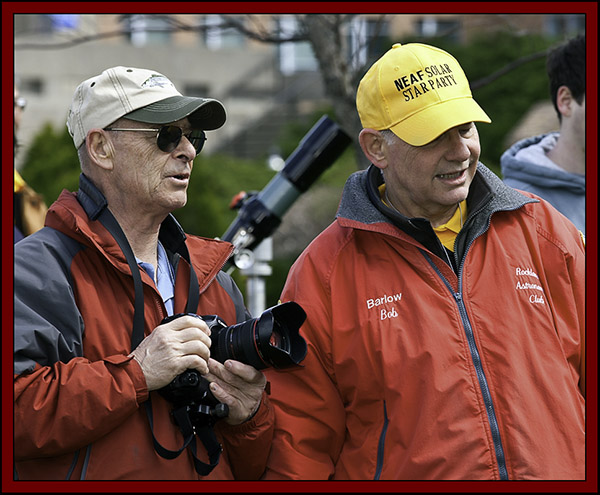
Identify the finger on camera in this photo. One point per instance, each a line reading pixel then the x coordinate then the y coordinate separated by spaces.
pixel 235 397
pixel 219 374
pixel 229 371
pixel 188 321
pixel 216 369
pixel 230 381
pixel 192 335
pixel 193 361
pixel 244 371
pixel 195 347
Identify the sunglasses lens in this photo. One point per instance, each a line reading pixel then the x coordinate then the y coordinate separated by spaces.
pixel 197 138
pixel 168 138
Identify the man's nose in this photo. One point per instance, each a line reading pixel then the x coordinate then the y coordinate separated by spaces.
pixel 459 148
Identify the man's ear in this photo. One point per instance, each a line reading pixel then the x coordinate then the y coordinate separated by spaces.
pixel 373 146
pixel 100 149
pixel 564 101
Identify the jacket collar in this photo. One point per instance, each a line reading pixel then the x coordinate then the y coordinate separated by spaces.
pixel 488 194
pixel 92 200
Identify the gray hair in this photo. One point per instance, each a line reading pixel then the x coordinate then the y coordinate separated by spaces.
pixel 389 136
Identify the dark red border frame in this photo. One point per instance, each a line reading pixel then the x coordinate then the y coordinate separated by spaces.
pixel 588 8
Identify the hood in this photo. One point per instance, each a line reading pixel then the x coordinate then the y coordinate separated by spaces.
pixel 525 163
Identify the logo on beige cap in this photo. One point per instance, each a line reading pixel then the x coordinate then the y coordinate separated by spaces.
pixel 157 80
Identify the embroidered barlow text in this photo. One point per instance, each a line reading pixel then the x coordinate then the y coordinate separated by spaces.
pixel 386 299
pixel 371 303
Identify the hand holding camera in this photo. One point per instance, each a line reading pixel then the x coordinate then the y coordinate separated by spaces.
pixel 227 385
pixel 238 352
pixel 237 385
pixel 173 347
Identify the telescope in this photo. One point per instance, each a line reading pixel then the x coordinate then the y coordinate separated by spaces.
pixel 260 214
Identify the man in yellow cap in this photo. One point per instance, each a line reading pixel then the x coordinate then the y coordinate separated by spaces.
pixel 446 314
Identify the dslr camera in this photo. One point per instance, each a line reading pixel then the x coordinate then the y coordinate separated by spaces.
pixel 271 340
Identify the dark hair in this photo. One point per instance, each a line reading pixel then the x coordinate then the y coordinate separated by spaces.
pixel 566 67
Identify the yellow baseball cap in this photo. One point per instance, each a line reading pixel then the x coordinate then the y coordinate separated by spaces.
pixel 418 92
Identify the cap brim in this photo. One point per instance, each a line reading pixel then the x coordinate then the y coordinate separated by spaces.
pixel 203 113
pixel 431 122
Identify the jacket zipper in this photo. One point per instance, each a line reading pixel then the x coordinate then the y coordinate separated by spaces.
pixel 483 385
pixel 496 438
pixel 476 359
pixel 381 444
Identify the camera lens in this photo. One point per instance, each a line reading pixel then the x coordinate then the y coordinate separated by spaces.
pixel 270 340
pixel 234 342
pixel 278 340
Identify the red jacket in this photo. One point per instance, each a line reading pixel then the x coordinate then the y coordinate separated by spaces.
pixel 415 372
pixel 78 398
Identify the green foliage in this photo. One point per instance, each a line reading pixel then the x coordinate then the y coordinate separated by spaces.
pixel 275 283
pixel 216 179
pixel 51 163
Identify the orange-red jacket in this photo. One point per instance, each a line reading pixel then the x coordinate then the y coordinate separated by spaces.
pixel 415 372
pixel 78 398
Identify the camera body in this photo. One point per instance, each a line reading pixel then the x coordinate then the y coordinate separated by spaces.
pixel 272 339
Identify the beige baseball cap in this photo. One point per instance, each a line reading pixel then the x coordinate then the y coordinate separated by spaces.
pixel 143 95
pixel 418 92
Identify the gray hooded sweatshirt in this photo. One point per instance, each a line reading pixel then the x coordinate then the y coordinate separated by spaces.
pixel 526 166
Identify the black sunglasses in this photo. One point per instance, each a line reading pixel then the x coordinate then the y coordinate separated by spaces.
pixel 169 136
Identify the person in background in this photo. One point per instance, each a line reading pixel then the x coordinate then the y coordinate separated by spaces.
pixel 94 290
pixel 445 310
pixel 552 165
pixel 29 208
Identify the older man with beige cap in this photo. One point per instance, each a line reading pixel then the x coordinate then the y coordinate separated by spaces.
pixel 446 315
pixel 95 290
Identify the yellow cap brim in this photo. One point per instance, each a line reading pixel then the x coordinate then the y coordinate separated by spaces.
pixel 429 123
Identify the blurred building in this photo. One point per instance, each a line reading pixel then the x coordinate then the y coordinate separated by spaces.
pixel 263 85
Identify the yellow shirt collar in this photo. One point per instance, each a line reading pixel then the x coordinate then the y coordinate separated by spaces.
pixel 19 182
pixel 446 233
pixel 457 220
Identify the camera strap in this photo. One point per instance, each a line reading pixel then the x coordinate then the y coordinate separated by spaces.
pixel 137 335
pixel 110 223
pixel 205 433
